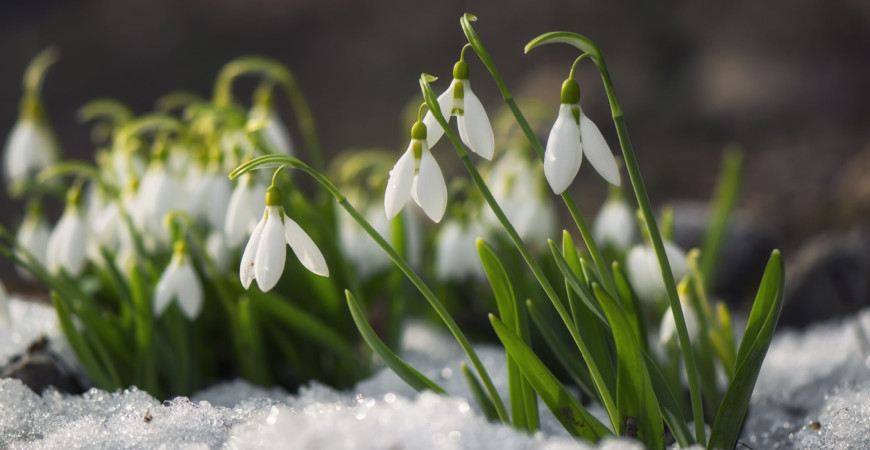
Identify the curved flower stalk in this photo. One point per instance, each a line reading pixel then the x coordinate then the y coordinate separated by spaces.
pixel 645 274
pixel 458 100
pixel 453 260
pixel 180 283
pixel 67 243
pixel 614 226
pixel 573 135
pixel 417 175
pixel 265 253
pixel 518 188
pixel 32 236
pixel 241 217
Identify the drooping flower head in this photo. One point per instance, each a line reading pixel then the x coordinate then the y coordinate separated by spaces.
pixel 458 100
pixel 573 135
pixel 417 175
pixel 67 243
pixel 668 327
pixel 614 226
pixel 245 202
pixel 32 236
pixel 266 251
pixel 180 283
pixel 645 273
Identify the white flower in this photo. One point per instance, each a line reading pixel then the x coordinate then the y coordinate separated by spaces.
pixel 29 149
pixel 241 218
pixel 456 255
pixel 475 129
pixel 517 188
pixel 32 236
pixel 265 253
pixel 209 198
pixel 179 282
pixel 5 315
pixel 417 175
pixel 358 247
pixel 158 194
pixel 572 136
pixel 614 225
pixel 217 249
pixel 668 328
pixel 645 274
pixel 274 130
pixel 67 243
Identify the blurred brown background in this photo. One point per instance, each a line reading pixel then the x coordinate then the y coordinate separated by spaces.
pixel 788 81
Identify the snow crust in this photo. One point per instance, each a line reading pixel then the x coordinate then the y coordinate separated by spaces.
pixel 813 392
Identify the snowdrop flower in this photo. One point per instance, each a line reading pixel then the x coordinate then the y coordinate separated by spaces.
pixel 274 130
pixel 668 328
pixel 179 282
pixel 33 236
pixel 455 255
pixel 518 189
pixel 210 196
pixel 475 129
pixel 367 257
pixel 265 253
pixel 157 195
pixel 67 243
pixel 241 217
pixel 29 149
pixel 572 136
pixel 614 225
pixel 417 175
pixel 645 274
pixel 217 249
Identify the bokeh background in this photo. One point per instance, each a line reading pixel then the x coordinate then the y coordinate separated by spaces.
pixel 787 81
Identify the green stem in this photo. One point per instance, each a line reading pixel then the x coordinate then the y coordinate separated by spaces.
pixel 586 45
pixel 281 74
pixel 429 95
pixel 272 160
pixel 585 233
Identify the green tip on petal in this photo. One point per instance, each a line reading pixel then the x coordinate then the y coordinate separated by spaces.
pixel 418 131
pixel 273 196
pixel 460 70
pixel 570 92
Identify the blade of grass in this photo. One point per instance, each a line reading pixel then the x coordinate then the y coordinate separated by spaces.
pixel 567 409
pixel 407 373
pixel 480 395
pixel 759 332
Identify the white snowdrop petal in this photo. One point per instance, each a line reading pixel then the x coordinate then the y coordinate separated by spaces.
pixel 278 135
pixel 217 200
pixel 218 251
pixel 614 225
pixel 246 268
pixel 564 154
pixel 166 289
pixel 434 131
pixel 271 251
pixel 644 274
pixel 399 184
pixel 597 151
pixel 677 260
pixel 189 291
pixel 29 148
pixel 33 236
pixel 304 248
pixel 430 190
pixel 474 126
pixel 239 215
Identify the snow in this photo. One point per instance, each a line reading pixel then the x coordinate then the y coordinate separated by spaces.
pixel 813 392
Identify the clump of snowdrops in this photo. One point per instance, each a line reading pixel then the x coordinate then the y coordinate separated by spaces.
pixel 142 263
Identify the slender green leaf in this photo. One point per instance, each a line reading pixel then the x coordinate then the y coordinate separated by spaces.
pixel 567 356
pixel 759 332
pixel 567 409
pixel 411 376
pixel 724 200
pixel 505 298
pixel 635 397
pixel 672 411
pixel 79 345
pixel 479 394
pixel 631 305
